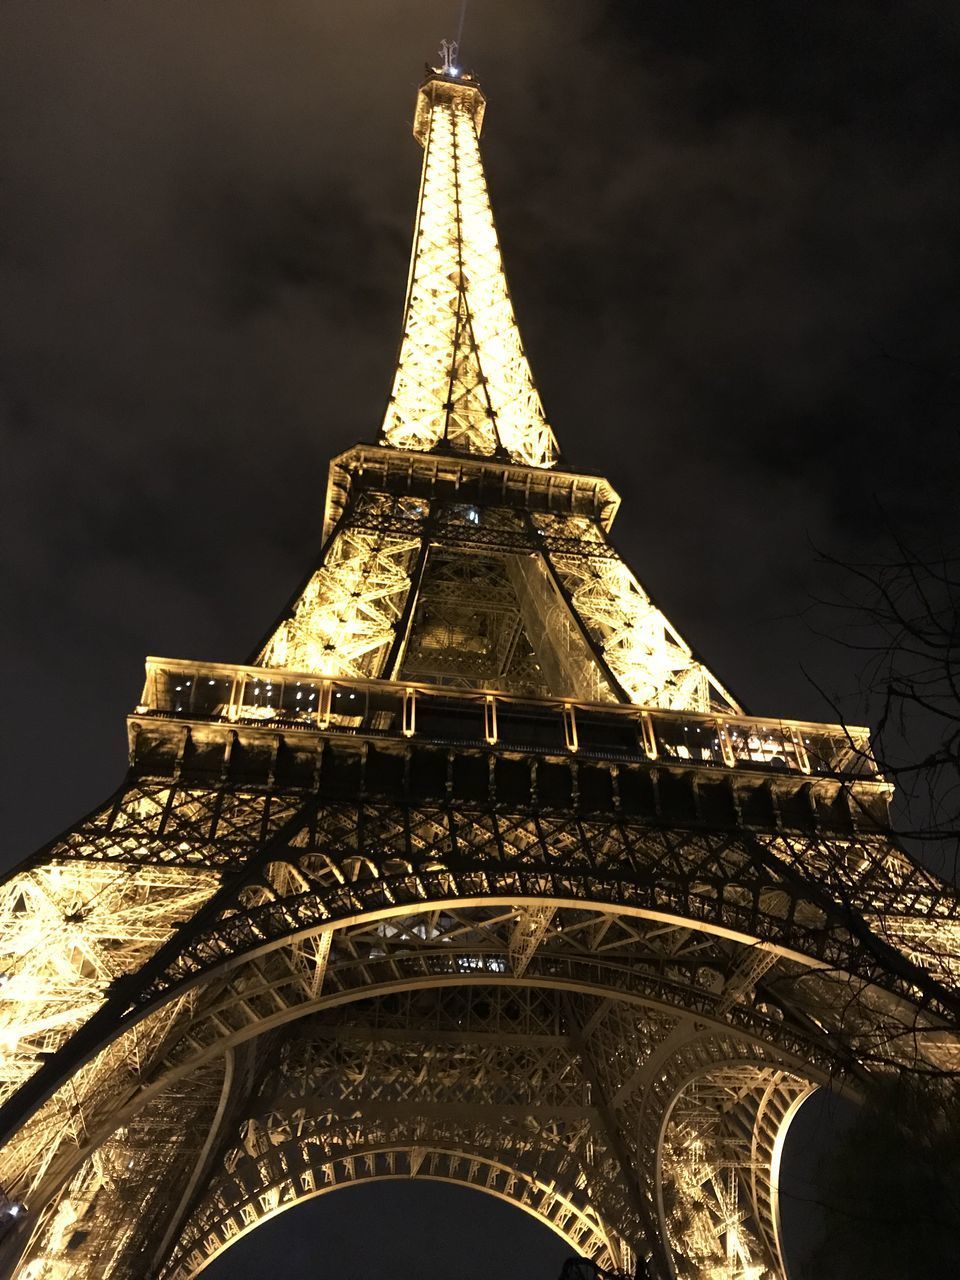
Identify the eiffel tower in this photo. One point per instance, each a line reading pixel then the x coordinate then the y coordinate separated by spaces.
pixel 474 873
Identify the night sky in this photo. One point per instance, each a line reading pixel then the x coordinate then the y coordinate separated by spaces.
pixel 731 235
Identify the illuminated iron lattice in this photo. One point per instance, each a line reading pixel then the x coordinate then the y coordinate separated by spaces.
pixel 462 376
pixel 476 874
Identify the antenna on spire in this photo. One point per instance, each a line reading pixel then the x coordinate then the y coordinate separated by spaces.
pixel 448 58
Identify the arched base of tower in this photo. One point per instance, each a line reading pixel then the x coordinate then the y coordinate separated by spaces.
pixel 622 1127
pixel 281 1189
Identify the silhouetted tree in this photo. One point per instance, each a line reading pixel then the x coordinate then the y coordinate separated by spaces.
pixel 575 1268
pixel 891 1188
pixel 891 1185
pixel 902 614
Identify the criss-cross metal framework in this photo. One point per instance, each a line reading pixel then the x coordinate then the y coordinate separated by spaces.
pixel 476 874
pixel 462 376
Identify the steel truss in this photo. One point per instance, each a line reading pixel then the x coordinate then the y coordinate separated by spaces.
pixel 675 944
pixel 462 376
pixel 401 577
pixel 476 873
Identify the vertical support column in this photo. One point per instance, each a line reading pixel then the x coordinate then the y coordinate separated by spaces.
pixel 409 712
pixel 570 735
pixel 490 719
pixel 648 735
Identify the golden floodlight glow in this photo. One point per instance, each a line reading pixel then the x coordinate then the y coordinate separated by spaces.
pixel 463 386
pixel 462 380
pixel 345 620
pixel 476 874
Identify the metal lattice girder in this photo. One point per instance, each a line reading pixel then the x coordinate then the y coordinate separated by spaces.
pixel 745 977
pixel 444 948
pixel 488 1079
pixel 281 985
pixel 343 622
pixel 649 660
pixel 586 622
pixel 67 930
pixel 396 858
pixel 718 1178
pixel 455 947
pixel 285 1181
pixel 89 911
pixel 479 875
pixel 528 931
pixel 70 926
pixel 462 377
pixel 266 993
pixel 111 1214
pixel 470 627
pixel 490 1075
pixel 415 1081
pixel 380 855
pixel 718 1110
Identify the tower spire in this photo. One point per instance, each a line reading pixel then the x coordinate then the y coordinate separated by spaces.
pixel 449 49
pixel 462 383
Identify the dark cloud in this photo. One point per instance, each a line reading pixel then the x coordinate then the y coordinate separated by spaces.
pixel 730 232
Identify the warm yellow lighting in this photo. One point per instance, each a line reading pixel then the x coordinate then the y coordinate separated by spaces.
pixel 462 377
pixel 652 663
pixel 345 620
pixel 477 785
pixel 67 931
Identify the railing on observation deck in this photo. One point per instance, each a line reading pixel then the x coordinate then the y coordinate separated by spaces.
pixel 228 694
